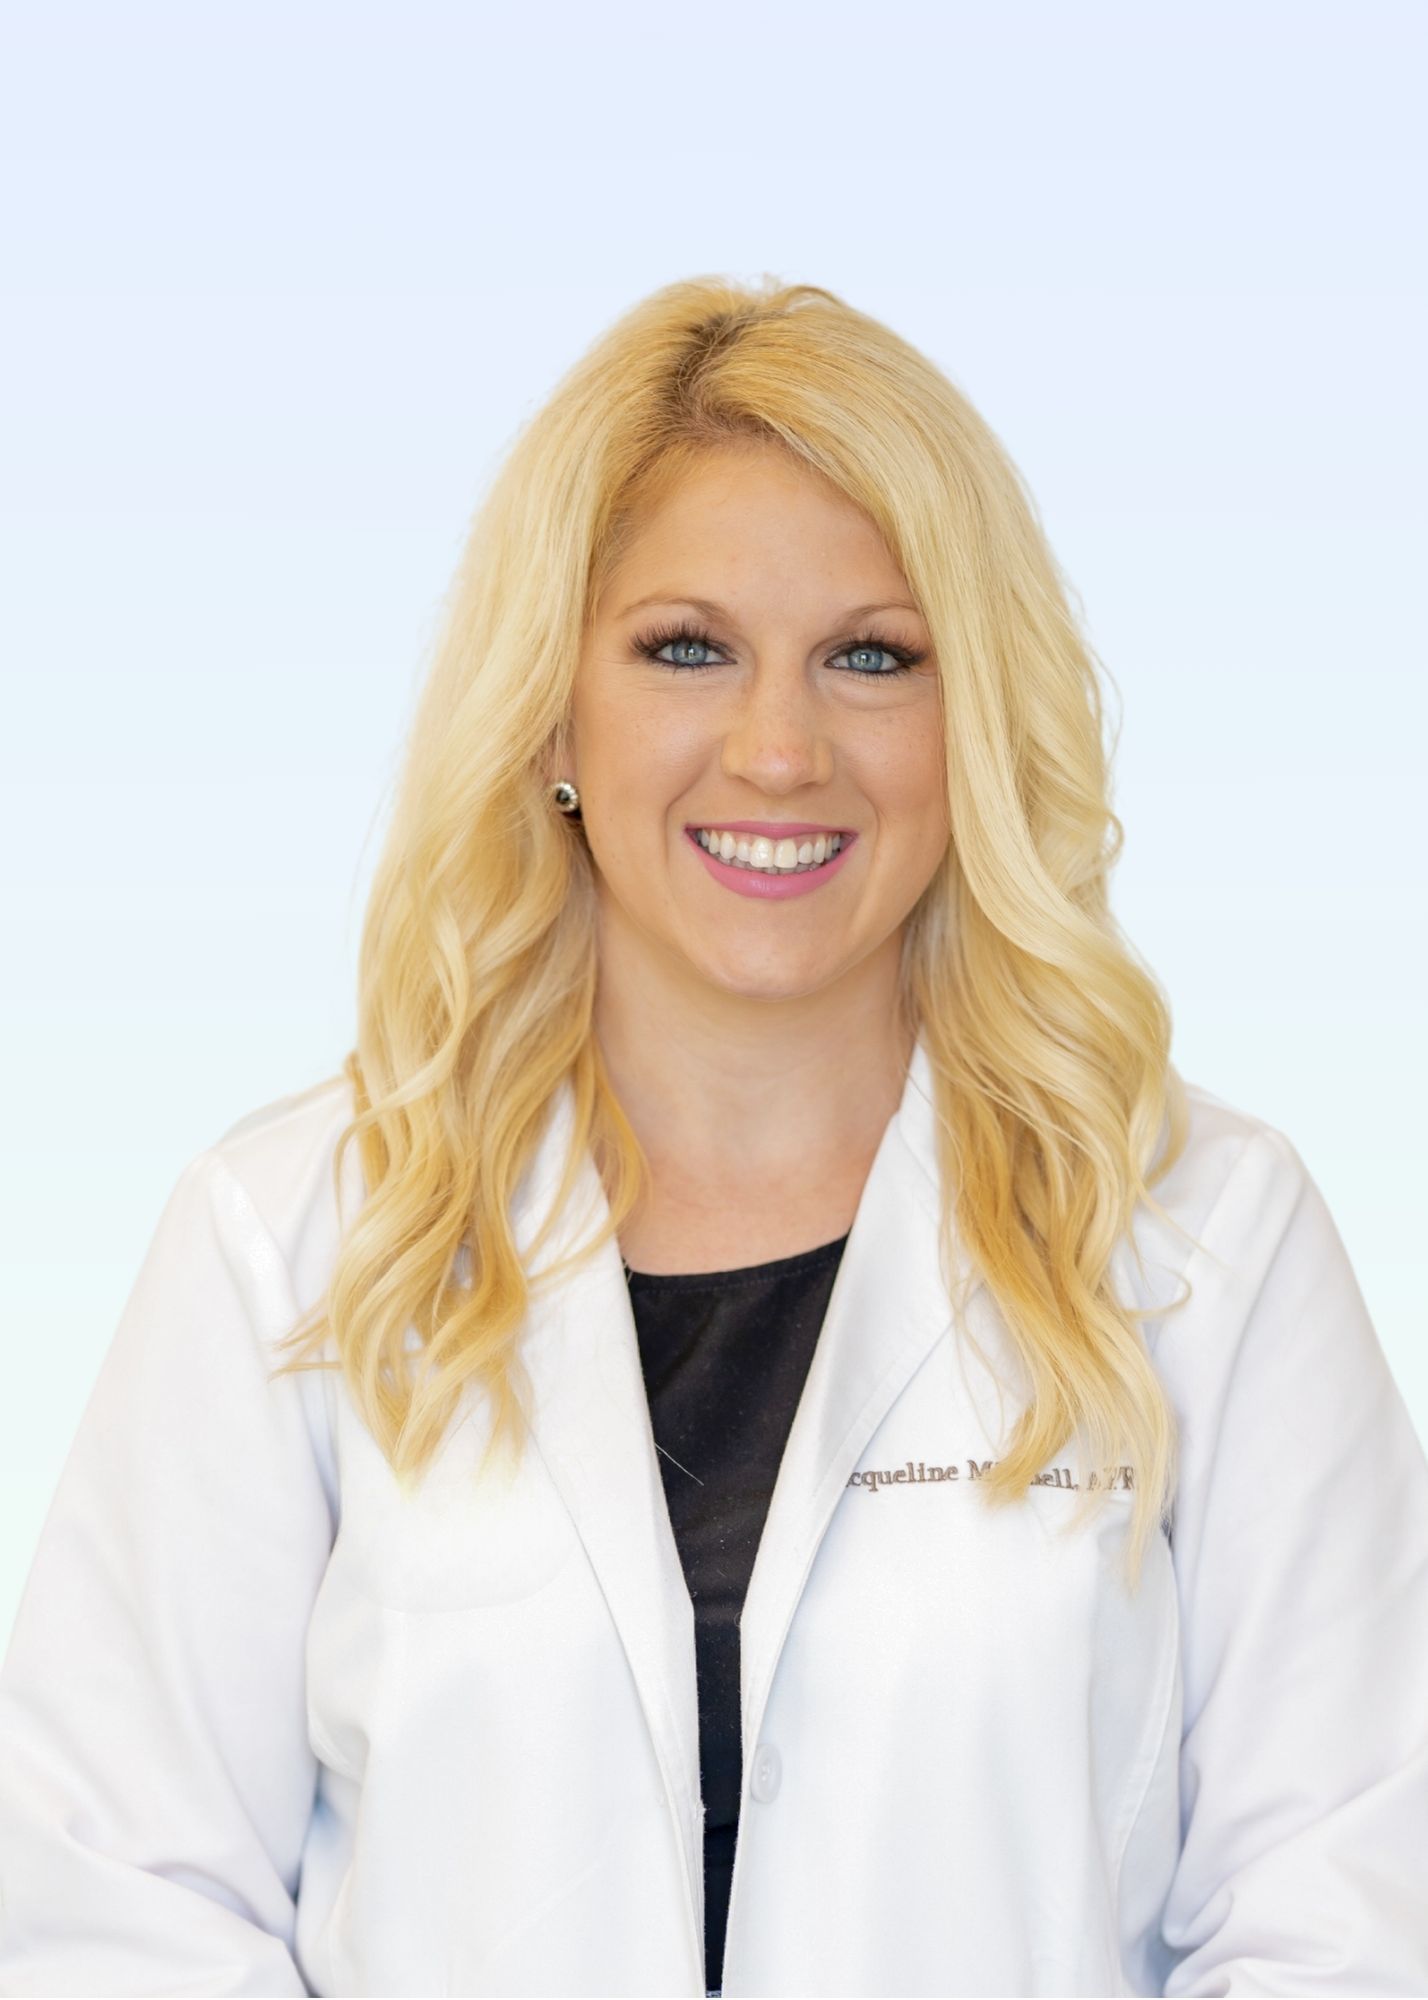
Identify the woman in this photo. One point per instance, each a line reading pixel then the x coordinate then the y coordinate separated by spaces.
pixel 786 1508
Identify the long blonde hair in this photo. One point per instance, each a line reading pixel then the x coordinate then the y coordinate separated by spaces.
pixel 1057 1104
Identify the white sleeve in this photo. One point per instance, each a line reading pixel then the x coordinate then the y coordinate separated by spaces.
pixel 156 1779
pixel 1300 1544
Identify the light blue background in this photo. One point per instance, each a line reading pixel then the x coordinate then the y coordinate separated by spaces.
pixel 279 282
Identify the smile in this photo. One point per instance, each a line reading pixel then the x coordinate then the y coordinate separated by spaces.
pixel 759 875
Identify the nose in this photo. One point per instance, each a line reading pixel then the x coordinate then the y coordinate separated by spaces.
pixel 776 735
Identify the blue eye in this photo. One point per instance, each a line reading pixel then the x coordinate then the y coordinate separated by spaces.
pixel 656 645
pixel 866 646
pixel 652 644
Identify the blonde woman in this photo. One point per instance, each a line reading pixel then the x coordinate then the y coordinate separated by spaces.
pixel 757 1437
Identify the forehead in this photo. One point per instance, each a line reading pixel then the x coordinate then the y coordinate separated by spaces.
pixel 748 519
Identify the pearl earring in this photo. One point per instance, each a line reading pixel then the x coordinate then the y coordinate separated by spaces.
pixel 566 797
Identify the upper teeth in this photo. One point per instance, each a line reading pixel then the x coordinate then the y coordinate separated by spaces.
pixel 758 850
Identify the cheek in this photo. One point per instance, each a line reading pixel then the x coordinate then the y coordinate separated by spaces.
pixel 907 786
pixel 635 771
pixel 641 749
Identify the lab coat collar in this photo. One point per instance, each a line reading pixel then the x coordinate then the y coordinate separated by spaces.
pixel 591 1421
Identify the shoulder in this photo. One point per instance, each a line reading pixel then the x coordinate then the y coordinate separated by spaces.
pixel 1227 1198
pixel 282 1156
pixel 1227 1145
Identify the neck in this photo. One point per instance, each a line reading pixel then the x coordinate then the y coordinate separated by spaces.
pixel 745 1089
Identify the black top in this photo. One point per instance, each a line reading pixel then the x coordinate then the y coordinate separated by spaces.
pixel 725 1355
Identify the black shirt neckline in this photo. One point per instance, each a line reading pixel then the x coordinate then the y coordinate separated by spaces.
pixel 743 1274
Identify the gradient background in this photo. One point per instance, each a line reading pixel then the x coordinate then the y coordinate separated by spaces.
pixel 279 284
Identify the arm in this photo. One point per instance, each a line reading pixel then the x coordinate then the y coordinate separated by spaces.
pixel 1300 1544
pixel 156 1779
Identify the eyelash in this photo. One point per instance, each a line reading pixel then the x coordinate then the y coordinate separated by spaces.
pixel 652 642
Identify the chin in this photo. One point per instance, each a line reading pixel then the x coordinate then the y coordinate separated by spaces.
pixel 771 983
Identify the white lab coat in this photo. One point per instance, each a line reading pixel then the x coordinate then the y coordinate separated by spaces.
pixel 267 1728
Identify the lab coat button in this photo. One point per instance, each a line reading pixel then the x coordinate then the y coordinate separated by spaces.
pixel 766 1774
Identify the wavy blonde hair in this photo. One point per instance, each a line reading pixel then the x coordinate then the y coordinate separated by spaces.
pixel 1057 1104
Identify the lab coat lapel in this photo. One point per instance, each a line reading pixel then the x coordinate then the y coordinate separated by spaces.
pixel 591 1420
pixel 888 1308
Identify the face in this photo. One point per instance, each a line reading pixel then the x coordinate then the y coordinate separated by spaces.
pixel 778 698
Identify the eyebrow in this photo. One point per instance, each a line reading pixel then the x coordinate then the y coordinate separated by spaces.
pixel 711 609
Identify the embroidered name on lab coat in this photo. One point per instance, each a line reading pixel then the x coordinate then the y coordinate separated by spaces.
pixel 1119 1477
